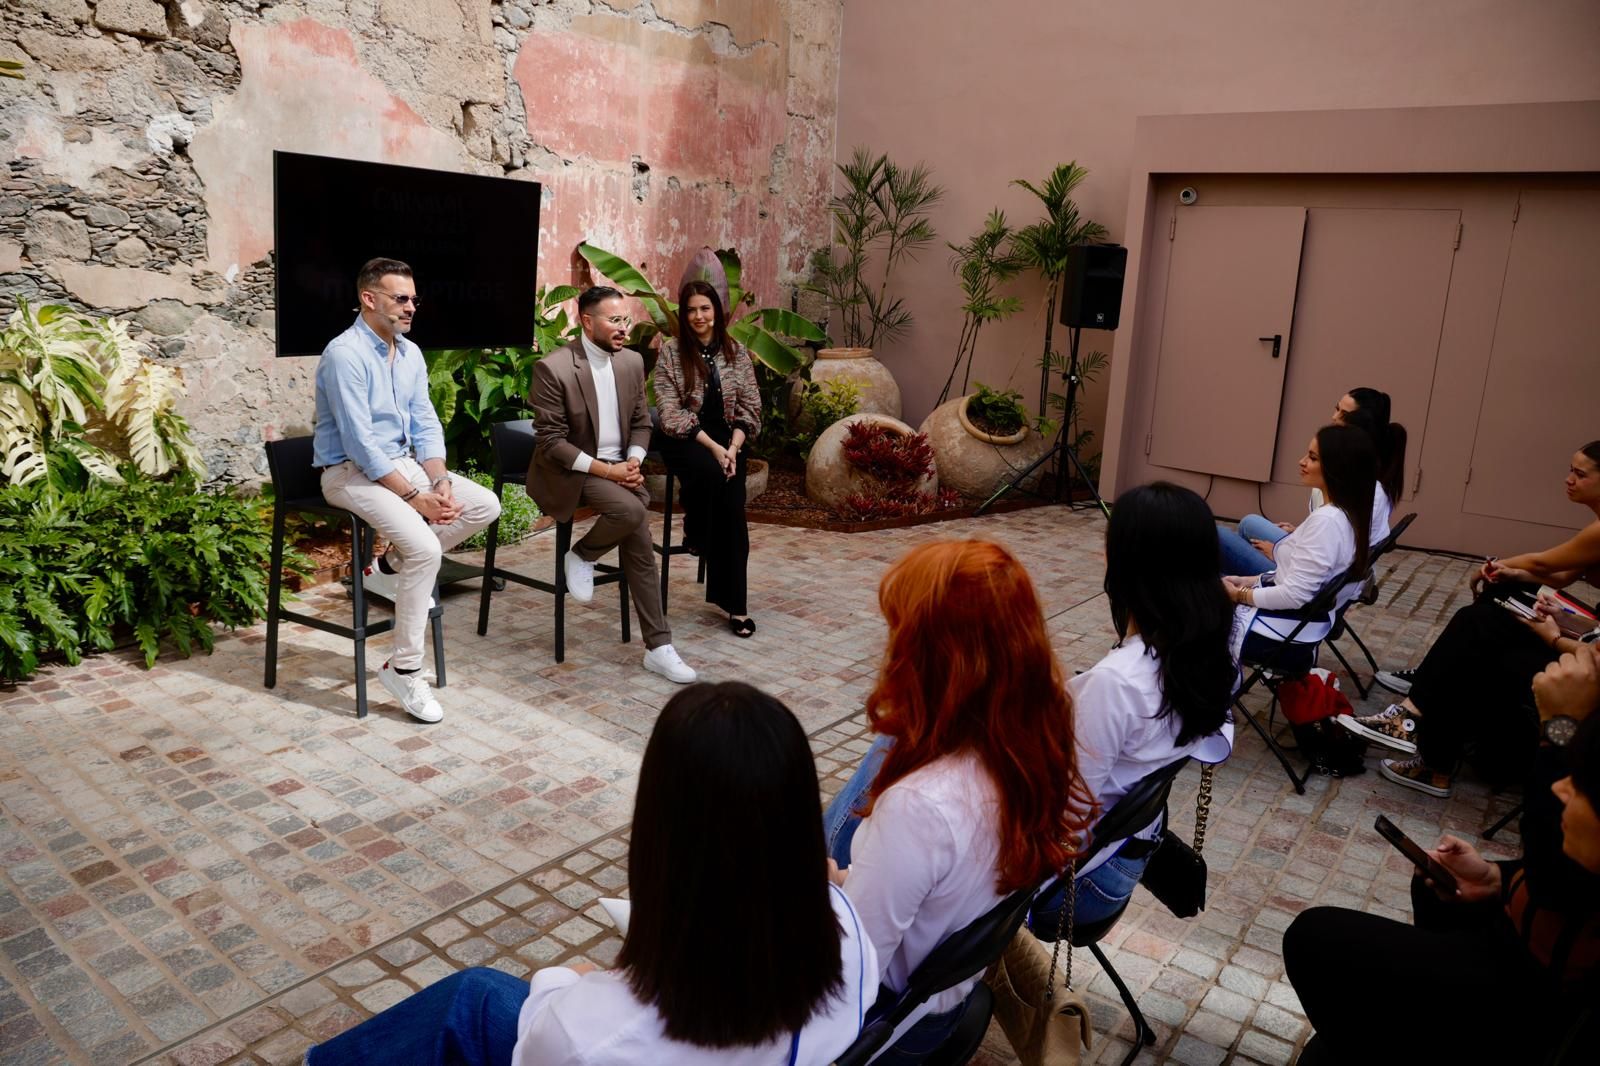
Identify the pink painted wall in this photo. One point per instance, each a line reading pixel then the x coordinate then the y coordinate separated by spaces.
pixel 988 93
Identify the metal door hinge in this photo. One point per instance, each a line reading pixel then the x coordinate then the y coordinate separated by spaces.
pixel 1172 227
pixel 1147 438
pixel 1460 226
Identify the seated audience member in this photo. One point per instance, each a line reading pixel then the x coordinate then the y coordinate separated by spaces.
pixel 1163 692
pixel 1334 539
pixel 1501 970
pixel 738 948
pixel 978 795
pixel 1471 688
pixel 1249 548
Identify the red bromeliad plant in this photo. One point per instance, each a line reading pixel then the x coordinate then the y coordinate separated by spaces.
pixel 895 463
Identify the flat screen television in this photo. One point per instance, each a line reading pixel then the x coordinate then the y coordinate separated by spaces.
pixel 472 242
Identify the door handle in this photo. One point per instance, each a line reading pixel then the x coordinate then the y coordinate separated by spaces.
pixel 1277 343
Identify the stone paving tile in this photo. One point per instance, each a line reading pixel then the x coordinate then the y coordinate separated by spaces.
pixel 204 871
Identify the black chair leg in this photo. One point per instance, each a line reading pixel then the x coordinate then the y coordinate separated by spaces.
pixel 627 635
pixel 488 573
pixel 701 575
pixel 666 540
pixel 1348 669
pixel 274 595
pixel 1144 1036
pixel 1298 781
pixel 563 545
pixel 1489 833
pixel 436 620
pixel 358 612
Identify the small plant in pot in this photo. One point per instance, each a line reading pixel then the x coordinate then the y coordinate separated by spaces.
pixel 997 415
pixel 898 470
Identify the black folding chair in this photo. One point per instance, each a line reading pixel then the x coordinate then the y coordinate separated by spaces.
pixel 965 953
pixel 1136 810
pixel 512 444
pixel 1342 627
pixel 1289 660
pixel 297 487
pixel 666 549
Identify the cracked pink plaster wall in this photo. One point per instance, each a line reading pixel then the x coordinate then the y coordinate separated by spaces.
pixel 303 90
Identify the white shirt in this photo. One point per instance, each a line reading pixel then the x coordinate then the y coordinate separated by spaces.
pixel 594 1019
pixel 1382 508
pixel 608 422
pixel 1120 738
pixel 925 864
pixel 1319 549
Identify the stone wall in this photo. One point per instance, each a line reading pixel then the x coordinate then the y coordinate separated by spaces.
pixel 137 151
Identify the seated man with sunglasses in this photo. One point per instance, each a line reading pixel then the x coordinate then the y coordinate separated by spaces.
pixel 380 448
pixel 592 428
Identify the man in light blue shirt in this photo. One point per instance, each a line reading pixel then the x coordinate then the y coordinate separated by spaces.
pixel 380 447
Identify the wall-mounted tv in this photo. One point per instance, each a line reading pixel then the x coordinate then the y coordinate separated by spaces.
pixel 472 241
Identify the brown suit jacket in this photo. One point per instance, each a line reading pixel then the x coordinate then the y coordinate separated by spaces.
pixel 564 414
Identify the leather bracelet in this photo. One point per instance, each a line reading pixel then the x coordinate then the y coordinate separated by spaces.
pixel 408 497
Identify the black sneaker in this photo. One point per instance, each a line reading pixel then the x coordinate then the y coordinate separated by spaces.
pixel 1397 680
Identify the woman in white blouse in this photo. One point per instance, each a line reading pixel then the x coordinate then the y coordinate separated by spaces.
pixel 1342 463
pixel 738 950
pixel 971 792
pixel 1163 692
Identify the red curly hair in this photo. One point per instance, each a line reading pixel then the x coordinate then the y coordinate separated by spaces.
pixel 969 666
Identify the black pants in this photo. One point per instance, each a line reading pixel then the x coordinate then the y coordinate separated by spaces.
pixel 713 518
pixel 1451 988
pixel 1474 688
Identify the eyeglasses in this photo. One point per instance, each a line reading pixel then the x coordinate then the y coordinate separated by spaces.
pixel 401 298
pixel 618 321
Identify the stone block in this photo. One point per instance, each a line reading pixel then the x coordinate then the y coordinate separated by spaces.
pixel 132 251
pixel 163 223
pixel 141 18
pixel 65 10
pixel 167 318
pixel 70 53
pixel 202 23
pixel 56 235
pixel 106 215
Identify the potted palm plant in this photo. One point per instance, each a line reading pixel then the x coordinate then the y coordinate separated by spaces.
pixel 879 218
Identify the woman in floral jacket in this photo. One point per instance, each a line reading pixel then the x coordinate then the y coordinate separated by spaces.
pixel 709 405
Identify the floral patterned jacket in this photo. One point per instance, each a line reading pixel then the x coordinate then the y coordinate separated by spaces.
pixel 680 412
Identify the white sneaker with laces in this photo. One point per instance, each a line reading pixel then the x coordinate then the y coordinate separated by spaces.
pixel 374 582
pixel 580 577
pixel 413 692
pixel 664 661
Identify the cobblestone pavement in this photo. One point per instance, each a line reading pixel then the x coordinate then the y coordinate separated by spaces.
pixel 196 870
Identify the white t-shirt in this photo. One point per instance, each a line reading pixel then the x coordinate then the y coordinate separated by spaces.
pixel 1121 739
pixel 594 1019
pixel 1319 549
pixel 924 864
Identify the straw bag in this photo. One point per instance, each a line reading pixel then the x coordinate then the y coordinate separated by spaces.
pixel 1046 1026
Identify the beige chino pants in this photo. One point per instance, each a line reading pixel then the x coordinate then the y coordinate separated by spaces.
pixel 416 545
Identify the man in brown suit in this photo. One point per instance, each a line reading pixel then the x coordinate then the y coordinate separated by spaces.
pixel 589 406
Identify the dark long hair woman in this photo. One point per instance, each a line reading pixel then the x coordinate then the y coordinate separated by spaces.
pixel 1162 694
pixel 708 407
pixel 737 951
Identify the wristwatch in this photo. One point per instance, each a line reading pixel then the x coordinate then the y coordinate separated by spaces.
pixel 1559 730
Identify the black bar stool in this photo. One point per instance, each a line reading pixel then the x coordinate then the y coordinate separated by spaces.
pixel 666 549
pixel 297 486
pixel 513 453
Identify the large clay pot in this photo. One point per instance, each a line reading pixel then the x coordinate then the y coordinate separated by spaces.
pixel 971 461
pixel 879 394
pixel 830 477
pixel 655 481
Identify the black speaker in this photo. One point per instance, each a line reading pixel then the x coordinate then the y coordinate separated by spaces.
pixel 1091 291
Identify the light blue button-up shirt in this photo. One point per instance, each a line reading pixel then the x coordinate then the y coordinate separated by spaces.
pixel 369 410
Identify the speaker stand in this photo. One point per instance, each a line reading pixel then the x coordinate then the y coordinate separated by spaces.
pixel 1057 450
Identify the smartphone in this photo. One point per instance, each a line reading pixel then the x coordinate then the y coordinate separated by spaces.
pixel 1419 858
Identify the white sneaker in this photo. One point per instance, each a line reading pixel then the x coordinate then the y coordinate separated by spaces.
pixel 664 661
pixel 413 692
pixel 580 577
pixel 374 582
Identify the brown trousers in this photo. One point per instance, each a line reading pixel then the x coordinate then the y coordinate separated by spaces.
pixel 624 524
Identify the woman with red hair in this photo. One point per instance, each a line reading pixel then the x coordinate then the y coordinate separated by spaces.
pixel 972 790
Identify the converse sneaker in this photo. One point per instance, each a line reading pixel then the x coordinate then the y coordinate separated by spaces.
pixel 384 584
pixel 1392 727
pixel 580 577
pixel 664 661
pixel 1414 773
pixel 1398 681
pixel 413 692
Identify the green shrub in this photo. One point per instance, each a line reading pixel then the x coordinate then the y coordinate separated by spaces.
pixel 997 413
pixel 821 406
pixel 154 560
pixel 518 513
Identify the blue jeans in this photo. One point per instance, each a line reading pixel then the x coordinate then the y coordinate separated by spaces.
pixel 839 824
pixel 467 1019
pixel 1239 557
pixel 1100 894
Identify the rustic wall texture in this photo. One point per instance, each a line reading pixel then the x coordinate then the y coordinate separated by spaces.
pixel 137 152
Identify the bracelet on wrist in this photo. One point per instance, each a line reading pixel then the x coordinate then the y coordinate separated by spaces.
pixel 443 479
pixel 408 497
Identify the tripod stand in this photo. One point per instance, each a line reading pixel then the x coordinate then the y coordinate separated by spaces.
pixel 1059 448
